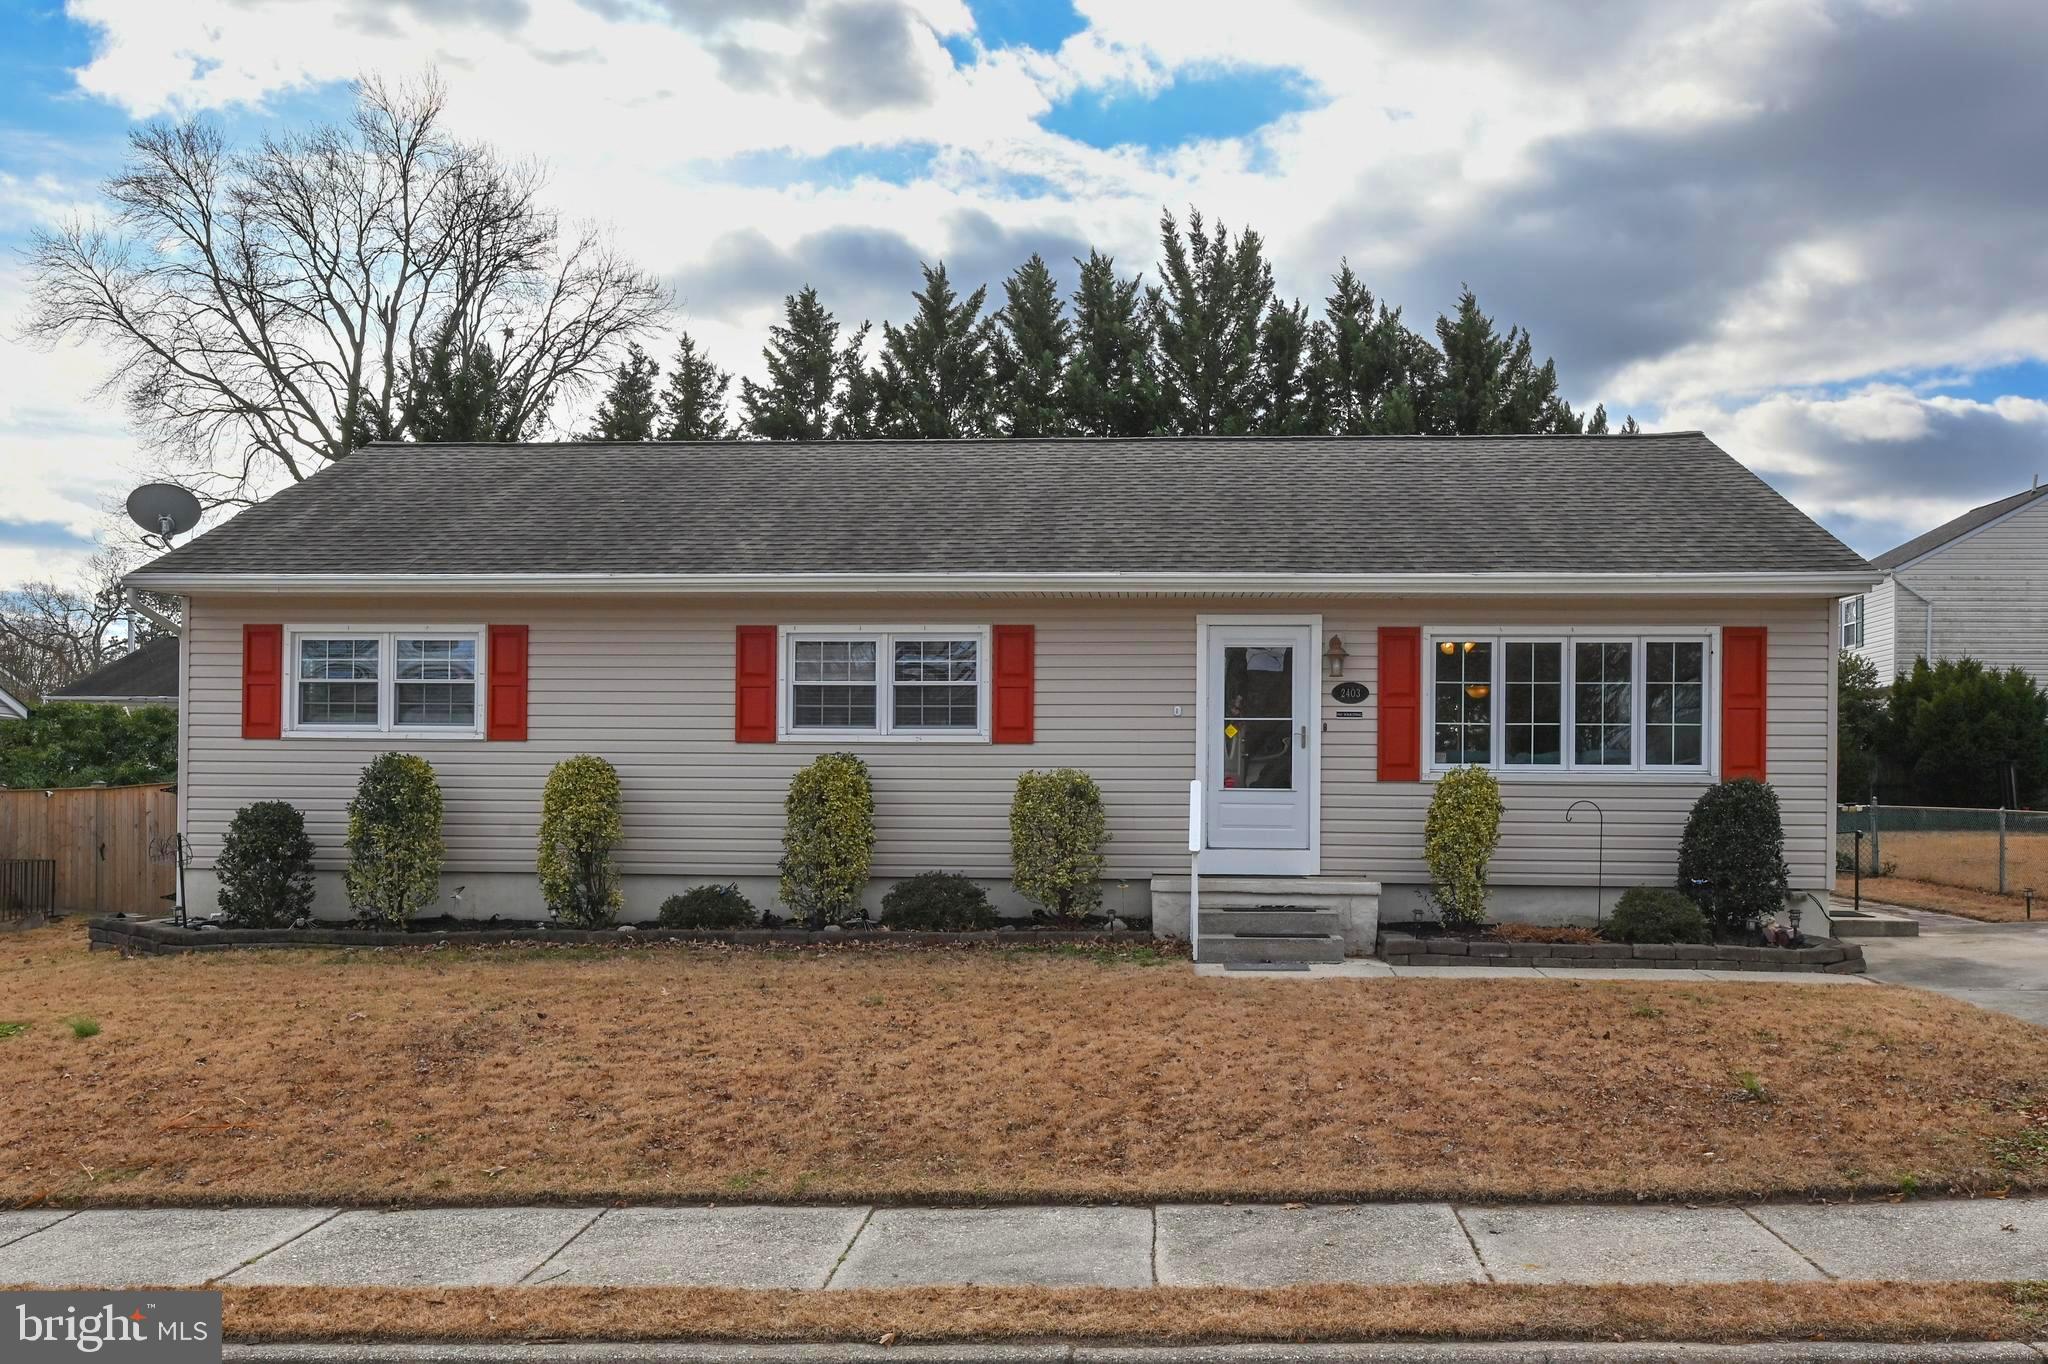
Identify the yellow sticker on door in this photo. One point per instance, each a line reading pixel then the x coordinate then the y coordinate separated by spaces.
pixel 1230 731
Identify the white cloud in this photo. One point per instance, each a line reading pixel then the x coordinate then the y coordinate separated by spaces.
pixel 1708 211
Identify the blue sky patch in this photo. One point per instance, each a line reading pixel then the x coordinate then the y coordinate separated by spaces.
pixel 42 535
pixel 1197 106
pixel 900 164
pixel 1025 23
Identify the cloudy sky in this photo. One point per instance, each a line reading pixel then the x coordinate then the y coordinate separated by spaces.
pixel 1817 229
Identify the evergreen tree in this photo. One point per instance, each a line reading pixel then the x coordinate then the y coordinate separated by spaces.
pixel 1031 349
pixel 627 410
pixel 937 376
pixel 796 402
pixel 1629 427
pixel 693 402
pixel 1284 375
pixel 1364 362
pixel 1207 314
pixel 854 416
pixel 1474 355
pixel 1109 388
pixel 1597 425
pixel 458 393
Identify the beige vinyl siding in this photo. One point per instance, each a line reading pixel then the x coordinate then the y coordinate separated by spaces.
pixel 647 682
pixel 1989 592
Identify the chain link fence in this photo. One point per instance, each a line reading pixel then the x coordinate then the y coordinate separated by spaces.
pixel 2004 852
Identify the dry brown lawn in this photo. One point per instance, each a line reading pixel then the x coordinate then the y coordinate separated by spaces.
pixel 1970 904
pixel 1157 1316
pixel 653 1074
pixel 1935 866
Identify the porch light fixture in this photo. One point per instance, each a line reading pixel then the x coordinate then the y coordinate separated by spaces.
pixel 1333 658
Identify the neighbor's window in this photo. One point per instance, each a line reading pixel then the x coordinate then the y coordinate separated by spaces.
pixel 909 683
pixel 1852 623
pixel 1570 703
pixel 407 681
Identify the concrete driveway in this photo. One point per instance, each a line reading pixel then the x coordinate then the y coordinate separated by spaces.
pixel 1994 966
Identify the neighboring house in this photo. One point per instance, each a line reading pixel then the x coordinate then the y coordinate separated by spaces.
pixel 147 676
pixel 1624 621
pixel 15 699
pixel 1976 586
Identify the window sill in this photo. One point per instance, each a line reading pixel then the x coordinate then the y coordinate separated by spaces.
pixel 1589 776
pixel 869 736
pixel 379 735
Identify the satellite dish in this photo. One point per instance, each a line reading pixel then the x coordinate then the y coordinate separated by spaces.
pixel 163 508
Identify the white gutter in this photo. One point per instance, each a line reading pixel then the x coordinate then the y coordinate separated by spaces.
pixel 134 602
pixel 1801 584
pixel 1927 613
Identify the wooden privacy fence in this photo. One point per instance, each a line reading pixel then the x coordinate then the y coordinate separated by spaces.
pixel 114 847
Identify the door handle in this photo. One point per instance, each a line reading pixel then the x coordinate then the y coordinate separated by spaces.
pixel 1304 736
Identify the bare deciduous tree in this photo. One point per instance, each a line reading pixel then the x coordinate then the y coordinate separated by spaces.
pixel 264 308
pixel 51 634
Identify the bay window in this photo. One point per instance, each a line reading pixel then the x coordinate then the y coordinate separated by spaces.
pixel 898 683
pixel 416 682
pixel 1569 700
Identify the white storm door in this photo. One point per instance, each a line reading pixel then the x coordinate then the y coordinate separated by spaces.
pixel 1258 712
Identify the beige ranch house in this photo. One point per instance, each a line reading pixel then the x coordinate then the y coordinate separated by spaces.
pixel 1312 629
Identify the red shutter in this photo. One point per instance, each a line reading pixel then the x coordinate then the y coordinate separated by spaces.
pixel 754 685
pixel 1400 703
pixel 1745 666
pixel 507 715
pixel 1015 709
pixel 262 681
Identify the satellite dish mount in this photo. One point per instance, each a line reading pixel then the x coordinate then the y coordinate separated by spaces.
pixel 163 509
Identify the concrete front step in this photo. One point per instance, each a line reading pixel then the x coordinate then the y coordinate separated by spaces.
pixel 1270 919
pixel 1850 923
pixel 1356 903
pixel 1307 947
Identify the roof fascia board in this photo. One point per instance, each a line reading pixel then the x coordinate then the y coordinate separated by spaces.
pixel 1970 534
pixel 1803 584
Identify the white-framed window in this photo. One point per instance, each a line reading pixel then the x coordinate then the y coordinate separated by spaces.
pixel 1852 622
pixel 1587 700
pixel 417 682
pixel 927 683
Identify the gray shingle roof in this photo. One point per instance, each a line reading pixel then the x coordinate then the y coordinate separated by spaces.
pixel 1672 502
pixel 1956 529
pixel 151 670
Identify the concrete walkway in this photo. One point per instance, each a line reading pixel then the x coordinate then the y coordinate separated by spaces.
pixel 1994 966
pixel 1372 968
pixel 1120 1247
pixel 1503 1352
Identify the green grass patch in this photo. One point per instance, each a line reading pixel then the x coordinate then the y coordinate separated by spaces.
pixel 82 1027
pixel 12 1029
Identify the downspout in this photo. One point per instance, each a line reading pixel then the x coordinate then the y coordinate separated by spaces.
pixel 133 601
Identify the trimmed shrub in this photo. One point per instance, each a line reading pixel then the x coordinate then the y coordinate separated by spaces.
pixel 1731 859
pixel 394 839
pixel 828 840
pixel 938 902
pixel 1458 839
pixel 709 907
pixel 265 866
pixel 1655 914
pixel 580 825
pixel 1057 829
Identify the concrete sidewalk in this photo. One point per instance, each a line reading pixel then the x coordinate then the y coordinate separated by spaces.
pixel 1249 1245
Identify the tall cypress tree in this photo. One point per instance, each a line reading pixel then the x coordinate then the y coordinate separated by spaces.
pixel 1354 367
pixel 1033 341
pixel 1207 313
pixel 1469 398
pixel 853 414
pixel 937 376
pixel 1109 388
pixel 627 411
pixel 796 402
pixel 458 394
pixel 693 402
pixel 1284 375
pixel 1597 426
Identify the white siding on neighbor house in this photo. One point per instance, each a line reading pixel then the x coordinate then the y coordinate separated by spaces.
pixel 648 683
pixel 1989 593
pixel 1879 629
